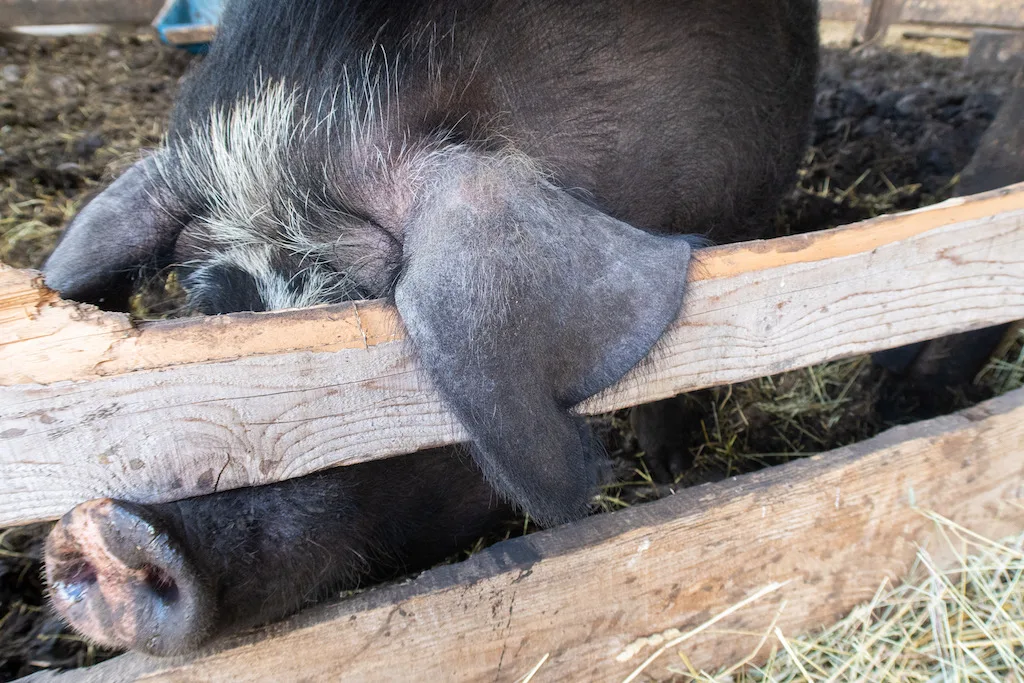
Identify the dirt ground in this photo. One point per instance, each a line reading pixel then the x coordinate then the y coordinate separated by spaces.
pixel 891 131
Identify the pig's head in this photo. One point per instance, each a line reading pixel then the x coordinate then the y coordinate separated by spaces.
pixel 520 297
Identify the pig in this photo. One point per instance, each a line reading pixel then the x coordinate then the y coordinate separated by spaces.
pixel 524 182
pixel 668 431
pixel 166 578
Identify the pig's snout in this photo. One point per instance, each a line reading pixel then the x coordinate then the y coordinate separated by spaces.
pixel 123 581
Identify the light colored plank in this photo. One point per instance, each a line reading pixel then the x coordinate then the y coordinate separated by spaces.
pixel 875 19
pixel 958 33
pixel 840 10
pixel 44 12
pixel 762 308
pixel 44 339
pixel 191 35
pixel 996 13
pixel 833 526
pixel 996 49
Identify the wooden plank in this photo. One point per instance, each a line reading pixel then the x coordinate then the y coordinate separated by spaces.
pixel 756 309
pixel 44 339
pixel 995 49
pixel 958 33
pixel 46 12
pixel 996 13
pixel 832 526
pixel 840 10
pixel 190 35
pixel 875 18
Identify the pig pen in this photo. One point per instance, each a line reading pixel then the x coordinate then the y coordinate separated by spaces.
pixel 891 131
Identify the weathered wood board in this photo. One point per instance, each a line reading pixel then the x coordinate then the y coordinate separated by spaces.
pixel 996 49
pixel 841 10
pixel 190 35
pixel 325 387
pixel 875 18
pixel 833 527
pixel 996 13
pixel 43 12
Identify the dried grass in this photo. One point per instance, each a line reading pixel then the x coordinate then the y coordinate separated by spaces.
pixel 1005 371
pixel 965 623
pixel 771 420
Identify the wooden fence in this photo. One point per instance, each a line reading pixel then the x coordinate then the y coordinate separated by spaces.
pixel 92 405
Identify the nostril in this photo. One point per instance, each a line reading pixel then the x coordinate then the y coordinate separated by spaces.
pixel 74 580
pixel 119 577
pixel 161 583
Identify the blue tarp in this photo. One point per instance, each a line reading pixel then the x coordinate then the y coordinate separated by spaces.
pixel 190 14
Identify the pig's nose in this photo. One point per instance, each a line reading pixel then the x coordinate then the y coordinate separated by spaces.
pixel 124 582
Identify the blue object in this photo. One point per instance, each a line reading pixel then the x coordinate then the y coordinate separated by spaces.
pixel 189 14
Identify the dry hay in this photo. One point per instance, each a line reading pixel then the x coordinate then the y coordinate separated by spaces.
pixel 1005 371
pixel 963 622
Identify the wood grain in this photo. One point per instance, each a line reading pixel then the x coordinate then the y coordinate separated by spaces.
pixel 996 13
pixel 44 339
pixel 168 433
pixel 996 49
pixel 875 19
pixel 45 12
pixel 190 35
pixel 840 10
pixel 832 526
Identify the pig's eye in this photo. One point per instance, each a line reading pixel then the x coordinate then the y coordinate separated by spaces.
pixel 223 288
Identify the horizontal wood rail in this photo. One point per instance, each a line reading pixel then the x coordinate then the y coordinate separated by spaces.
pixel 589 595
pixel 93 406
pixel 995 13
pixel 45 12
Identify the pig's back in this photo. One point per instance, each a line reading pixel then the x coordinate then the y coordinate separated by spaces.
pixel 684 116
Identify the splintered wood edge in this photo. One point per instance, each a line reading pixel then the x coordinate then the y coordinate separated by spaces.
pixel 44 339
pixel 823 531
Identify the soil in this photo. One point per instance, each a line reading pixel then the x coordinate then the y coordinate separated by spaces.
pixel 891 131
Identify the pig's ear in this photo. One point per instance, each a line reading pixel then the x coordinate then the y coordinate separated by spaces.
pixel 131 224
pixel 522 301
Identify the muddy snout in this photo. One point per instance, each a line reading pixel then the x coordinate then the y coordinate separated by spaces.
pixel 122 580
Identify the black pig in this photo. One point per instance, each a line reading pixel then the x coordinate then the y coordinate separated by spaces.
pixel 165 578
pixel 516 176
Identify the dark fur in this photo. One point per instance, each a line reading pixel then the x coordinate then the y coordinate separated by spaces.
pixel 494 169
pixel 171 576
